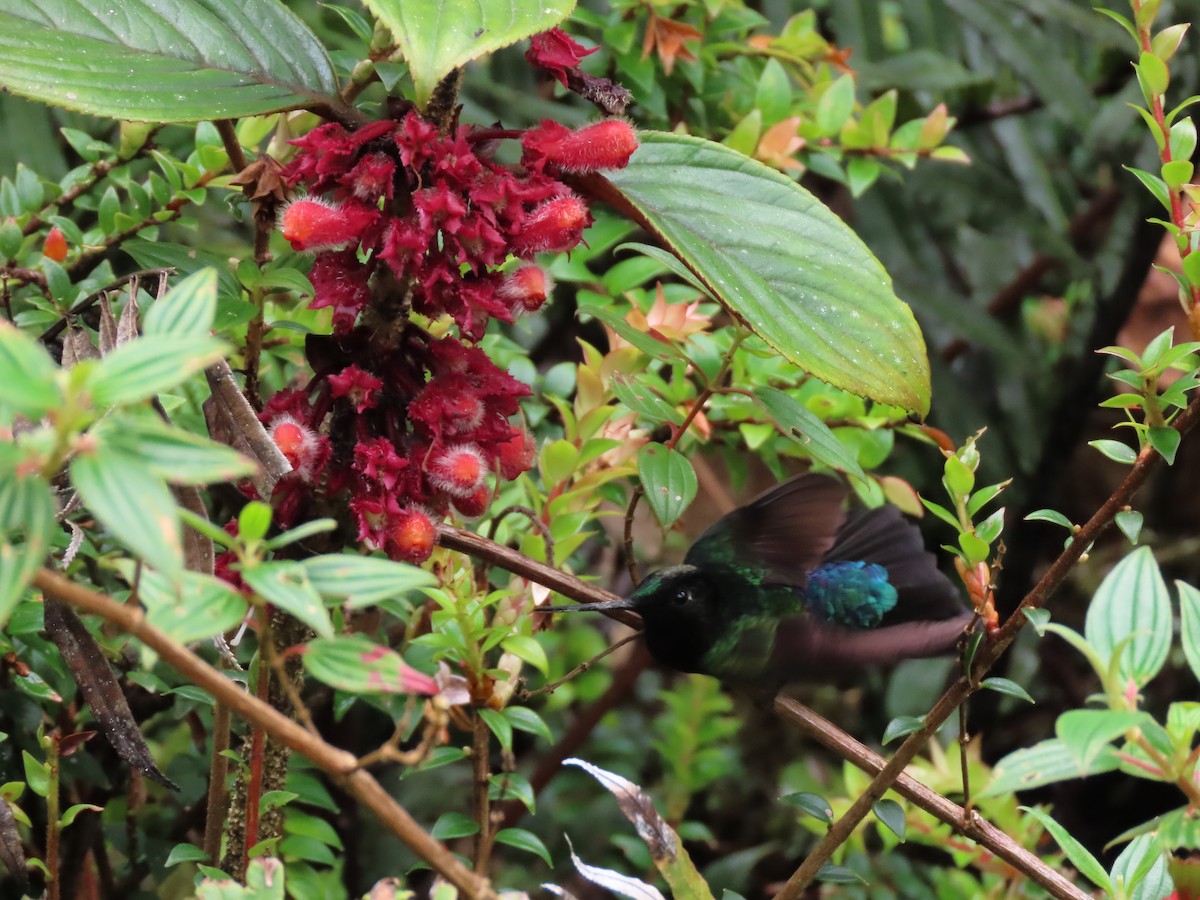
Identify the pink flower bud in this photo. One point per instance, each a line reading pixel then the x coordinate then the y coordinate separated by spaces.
pixel 299 445
pixel 55 246
pixel 516 455
pixel 474 505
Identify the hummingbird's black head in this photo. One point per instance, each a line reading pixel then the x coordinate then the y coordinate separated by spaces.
pixel 683 618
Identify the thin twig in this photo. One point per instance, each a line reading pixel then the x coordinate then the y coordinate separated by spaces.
pixel 338 764
pixel 962 687
pixel 481 741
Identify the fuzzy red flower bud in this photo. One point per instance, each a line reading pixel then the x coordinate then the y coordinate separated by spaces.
pixel 313 224
pixel 525 289
pixel 554 226
pixel 458 470
pixel 474 505
pixel 299 445
pixel 605 145
pixel 515 455
pixel 55 246
pixel 412 537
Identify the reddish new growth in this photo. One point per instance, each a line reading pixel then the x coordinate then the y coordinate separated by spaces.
pixel 398 426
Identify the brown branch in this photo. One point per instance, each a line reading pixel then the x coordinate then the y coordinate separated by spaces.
pixel 828 734
pixel 338 764
pixel 973 826
pixel 988 654
pixel 481 745
pixel 218 794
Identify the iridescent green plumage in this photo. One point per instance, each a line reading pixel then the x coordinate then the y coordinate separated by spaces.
pixel 792 585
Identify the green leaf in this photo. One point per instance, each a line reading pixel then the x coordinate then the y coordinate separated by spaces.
pixel 524 840
pixel 1153 74
pixel 526 648
pixel 197 608
pixel 813 804
pixel 37 773
pixel 499 725
pixel 835 105
pixel 891 814
pixel 799 278
pixel 901 726
pixel 1005 686
pixel 1154 185
pixel 1130 523
pixel 439 35
pixel 1189 611
pixel 149 366
pixel 181 853
pixel 1116 451
pixel 558 461
pixel 27 510
pixel 1038 618
pixel 796 420
pixel 1166 441
pixel 642 400
pixel 285 584
pixel 182 62
pixel 1079 856
pixel 134 504
pixel 668 479
pixel 172 454
pixel 364 580
pixel 1143 863
pixel 1086 732
pixel 831 874
pixel 72 813
pixel 525 719
pixel 1132 601
pixel 188 309
pixel 1050 515
pixel 454 825
pixel 647 343
pixel 360 666
pixel 1044 763
pixel 28 377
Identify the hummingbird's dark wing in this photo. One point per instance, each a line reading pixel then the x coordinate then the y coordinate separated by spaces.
pixel 806 647
pixel 883 536
pixel 780 536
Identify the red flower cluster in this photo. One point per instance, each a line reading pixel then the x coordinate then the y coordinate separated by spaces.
pixel 409 426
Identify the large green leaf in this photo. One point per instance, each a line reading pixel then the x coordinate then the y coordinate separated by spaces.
pixel 437 35
pixel 1132 601
pixel 780 261
pixel 668 480
pixel 163 60
pixel 26 525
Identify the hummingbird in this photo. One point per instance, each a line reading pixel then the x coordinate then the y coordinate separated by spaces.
pixel 796 586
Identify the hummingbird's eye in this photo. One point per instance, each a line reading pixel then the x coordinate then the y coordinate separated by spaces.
pixel 682 597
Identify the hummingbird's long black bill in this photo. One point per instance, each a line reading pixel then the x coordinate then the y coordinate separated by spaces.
pixel 623 603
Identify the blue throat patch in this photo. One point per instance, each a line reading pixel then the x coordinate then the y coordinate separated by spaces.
pixel 854 594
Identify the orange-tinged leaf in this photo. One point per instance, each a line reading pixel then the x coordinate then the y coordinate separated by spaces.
pixel 779 145
pixel 667 37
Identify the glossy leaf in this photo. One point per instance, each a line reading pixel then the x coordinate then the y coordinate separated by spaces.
pixel 27 511
pixel 1132 600
pixel 285 584
pixel 643 401
pixel 360 666
pixel 797 420
pixel 668 479
pixel 779 261
pixel 813 804
pixel 439 35
pixel 187 310
pixel 172 454
pixel 1076 852
pixel 1044 763
pixel 891 814
pixel 364 580
pixel 27 374
pixel 1006 686
pixel 1189 611
pixel 134 504
pixel 524 840
pixel 202 606
pixel 901 726
pixel 1086 732
pixel 150 365
pixel 183 62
